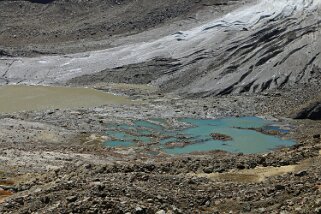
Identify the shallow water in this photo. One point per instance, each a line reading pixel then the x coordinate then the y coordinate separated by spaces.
pixel 119 143
pixel 28 98
pixel 197 137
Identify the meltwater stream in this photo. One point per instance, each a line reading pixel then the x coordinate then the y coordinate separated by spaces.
pixel 196 135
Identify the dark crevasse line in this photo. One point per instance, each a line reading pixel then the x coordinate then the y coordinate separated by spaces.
pixel 286 80
pixel 301 74
pixel 41 1
pixel 265 59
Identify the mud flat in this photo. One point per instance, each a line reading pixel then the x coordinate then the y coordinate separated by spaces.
pixel 26 98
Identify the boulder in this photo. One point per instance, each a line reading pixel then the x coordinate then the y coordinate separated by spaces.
pixel 312 112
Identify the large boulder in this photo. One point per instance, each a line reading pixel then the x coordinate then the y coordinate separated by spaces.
pixel 312 112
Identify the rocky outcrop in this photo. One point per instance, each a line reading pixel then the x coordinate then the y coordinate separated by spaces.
pixel 4 53
pixel 221 137
pixel 312 112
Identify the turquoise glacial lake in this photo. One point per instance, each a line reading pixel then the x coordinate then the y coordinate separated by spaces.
pixel 195 135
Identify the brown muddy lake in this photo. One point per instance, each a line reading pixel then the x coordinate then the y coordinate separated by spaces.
pixel 28 98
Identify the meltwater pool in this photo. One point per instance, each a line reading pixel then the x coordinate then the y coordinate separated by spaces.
pixel 196 135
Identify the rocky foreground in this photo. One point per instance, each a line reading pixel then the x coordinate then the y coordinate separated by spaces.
pixel 187 185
